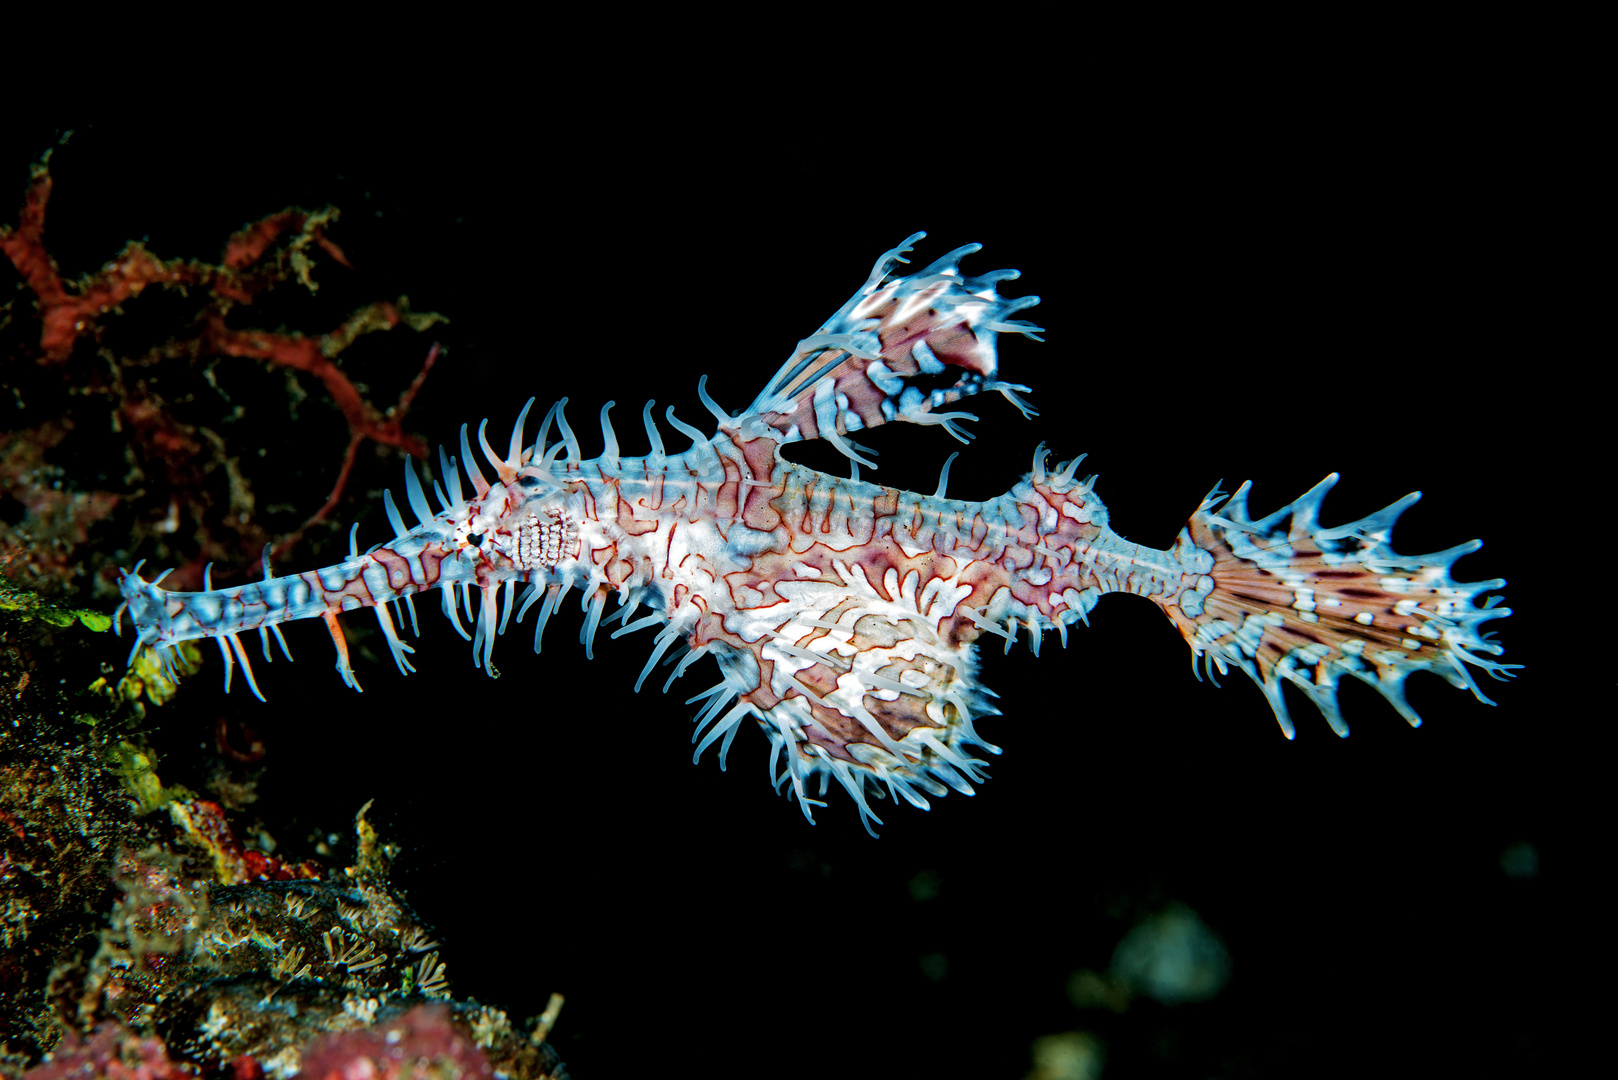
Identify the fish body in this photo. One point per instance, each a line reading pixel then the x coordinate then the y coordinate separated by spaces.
pixel 844 615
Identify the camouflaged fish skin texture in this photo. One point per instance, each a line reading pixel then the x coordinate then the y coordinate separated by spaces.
pixel 843 614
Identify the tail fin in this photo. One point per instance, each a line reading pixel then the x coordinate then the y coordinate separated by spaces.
pixel 1291 600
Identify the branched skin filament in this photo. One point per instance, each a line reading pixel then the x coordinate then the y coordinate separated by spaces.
pixel 844 614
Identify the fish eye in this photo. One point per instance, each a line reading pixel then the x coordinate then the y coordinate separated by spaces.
pixel 475 539
pixel 528 481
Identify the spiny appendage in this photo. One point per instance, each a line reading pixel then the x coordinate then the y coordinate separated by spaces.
pixel 926 758
pixel 1289 599
pixel 523 527
pixel 861 368
pixel 163 619
pixel 855 685
pixel 540 540
pixel 432 553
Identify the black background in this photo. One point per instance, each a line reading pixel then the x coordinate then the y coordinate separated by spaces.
pixel 1224 299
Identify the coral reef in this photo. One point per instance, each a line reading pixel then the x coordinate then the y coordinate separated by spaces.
pixel 148 930
pixel 111 1051
pixel 157 944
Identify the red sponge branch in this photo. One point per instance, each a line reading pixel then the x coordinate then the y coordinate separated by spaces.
pixel 255 259
pixel 309 354
pixel 68 315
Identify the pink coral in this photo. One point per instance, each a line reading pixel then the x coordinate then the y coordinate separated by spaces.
pixel 113 1052
pixel 421 1043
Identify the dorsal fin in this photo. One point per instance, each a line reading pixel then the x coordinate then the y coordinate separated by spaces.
pixel 863 366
